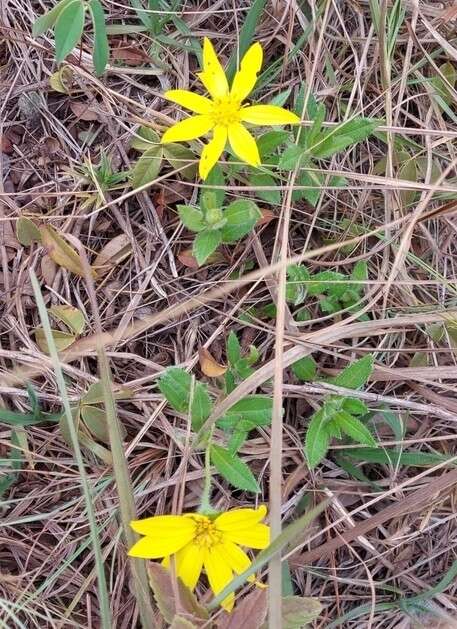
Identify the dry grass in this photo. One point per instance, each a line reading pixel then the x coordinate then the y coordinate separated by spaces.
pixel 156 312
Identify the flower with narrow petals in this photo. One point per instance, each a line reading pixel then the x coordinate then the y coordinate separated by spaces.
pixel 224 114
pixel 200 542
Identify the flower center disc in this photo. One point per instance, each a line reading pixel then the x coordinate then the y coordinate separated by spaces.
pixel 226 111
pixel 206 534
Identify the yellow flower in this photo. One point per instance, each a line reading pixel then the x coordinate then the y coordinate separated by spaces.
pixel 224 114
pixel 200 542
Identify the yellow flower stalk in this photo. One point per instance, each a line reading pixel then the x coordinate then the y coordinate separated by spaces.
pixel 200 542
pixel 224 114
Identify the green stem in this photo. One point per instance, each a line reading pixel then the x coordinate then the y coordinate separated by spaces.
pixel 205 502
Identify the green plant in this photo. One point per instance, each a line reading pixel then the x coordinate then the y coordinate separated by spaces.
pixel 187 395
pixel 240 367
pixel 339 414
pixel 67 19
pixel 317 143
pixel 216 223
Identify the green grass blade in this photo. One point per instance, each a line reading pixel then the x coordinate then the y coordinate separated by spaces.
pixel 246 35
pixel 105 613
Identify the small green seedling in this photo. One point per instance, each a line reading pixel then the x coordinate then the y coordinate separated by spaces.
pixel 67 19
pixel 240 367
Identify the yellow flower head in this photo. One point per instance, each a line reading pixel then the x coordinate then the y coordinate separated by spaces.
pixel 224 114
pixel 200 542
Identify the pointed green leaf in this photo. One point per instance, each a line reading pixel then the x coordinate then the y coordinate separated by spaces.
pixel 305 369
pixel 354 428
pixel 256 408
pixel 147 167
pixel 191 217
pixel 144 139
pixel 178 156
pixel 233 469
pixel 205 243
pixel 264 180
pixel 317 439
pixel 47 21
pixel 100 53
pixel 240 216
pixel 175 384
pixel 69 29
pixel 201 406
pixel 343 136
pixel 233 349
pixel 356 375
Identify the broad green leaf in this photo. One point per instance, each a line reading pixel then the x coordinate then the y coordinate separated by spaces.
pixel 236 423
pixel 216 178
pixel 62 340
pixel 360 272
pixel 313 182
pixel 236 441
pixel 47 20
pixel 69 29
pixel 240 216
pixel 342 136
pixel 233 349
pixel 256 408
pixel 389 456
pixel 27 232
pixel 444 91
pixel 329 282
pixel 95 395
pixel 354 406
pixel 297 284
pixel 95 420
pixel 264 180
pixel 201 406
pixel 318 118
pixel 147 167
pixel 233 469
pixel 72 317
pixel 290 159
pixel 317 439
pixel 270 141
pixel 305 369
pixel 298 611
pixel 178 156
pixel 354 428
pixel 144 139
pixel 175 384
pixel 191 217
pixel 205 243
pixel 100 54
pixel 356 375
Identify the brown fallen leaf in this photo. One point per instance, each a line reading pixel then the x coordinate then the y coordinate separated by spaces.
pixel 83 111
pixel 186 258
pixel 250 613
pixel 112 254
pixel 267 217
pixel 6 146
pixel 60 251
pixel 208 365
pixel 130 55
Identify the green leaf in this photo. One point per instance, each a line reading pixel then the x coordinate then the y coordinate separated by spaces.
pixel 27 232
pixel 270 196
pixel 298 611
pixel 175 385
pixel 201 406
pixel 205 243
pixel 313 182
pixel 356 375
pixel 69 29
pixel 233 349
pixel 216 178
pixel 178 156
pixel 144 139
pixel 47 21
pixel 246 36
pixel 233 469
pixel 354 406
pixel 270 141
pixel 147 167
pixel 290 159
pixel 95 420
pixel 317 439
pixel 342 136
pixel 390 456
pixel 297 284
pixel 318 118
pixel 256 408
pixel 354 428
pixel 305 369
pixel 191 217
pixel 72 317
pixel 329 282
pixel 95 394
pixel 444 91
pixel 360 272
pixel 236 441
pixel 100 54
pixel 14 461
pixel 240 216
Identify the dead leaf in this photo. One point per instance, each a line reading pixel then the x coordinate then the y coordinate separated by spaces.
pixel 48 269
pixel 62 340
pixel 27 232
pixel 112 254
pixel 250 613
pixel 83 111
pixel 186 258
pixel 61 81
pixel 298 611
pixel 72 317
pixel 181 622
pixel 130 55
pixel 60 251
pixel 267 217
pixel 208 365
pixel 6 146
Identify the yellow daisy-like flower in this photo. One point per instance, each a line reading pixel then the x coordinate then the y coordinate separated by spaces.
pixel 200 542
pixel 224 114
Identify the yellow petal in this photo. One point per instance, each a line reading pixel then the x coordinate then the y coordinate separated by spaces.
pixel 219 573
pixel 246 77
pixel 190 564
pixel 235 557
pixel 212 151
pixel 257 536
pixel 268 115
pixel 194 102
pixel 156 547
pixel 240 518
pixel 243 144
pixel 188 129
pixel 162 525
pixel 213 75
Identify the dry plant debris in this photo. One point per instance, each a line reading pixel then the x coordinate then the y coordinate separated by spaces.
pixel 282 332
